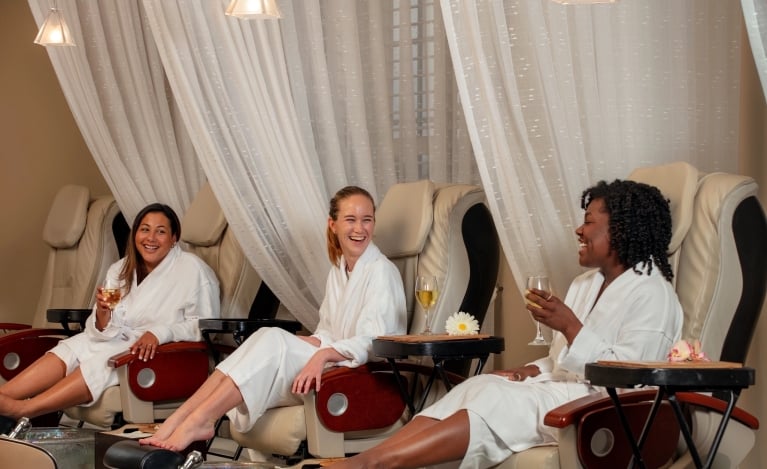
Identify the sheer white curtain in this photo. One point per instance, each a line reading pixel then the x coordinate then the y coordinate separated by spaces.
pixel 282 114
pixel 373 85
pixel 115 85
pixel 561 96
pixel 231 83
pixel 755 16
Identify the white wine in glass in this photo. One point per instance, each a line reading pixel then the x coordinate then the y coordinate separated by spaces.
pixel 426 292
pixel 538 282
pixel 111 293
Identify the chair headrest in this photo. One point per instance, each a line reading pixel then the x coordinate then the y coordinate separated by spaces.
pixel 66 219
pixel 204 221
pixel 678 182
pixel 404 218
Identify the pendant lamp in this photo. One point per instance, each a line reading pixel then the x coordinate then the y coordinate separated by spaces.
pixel 254 9
pixel 54 31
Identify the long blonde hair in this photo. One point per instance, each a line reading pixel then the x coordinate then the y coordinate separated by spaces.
pixel 334 247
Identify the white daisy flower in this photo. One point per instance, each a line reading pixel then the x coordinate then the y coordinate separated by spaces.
pixel 461 323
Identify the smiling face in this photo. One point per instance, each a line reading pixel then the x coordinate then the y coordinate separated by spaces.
pixel 154 239
pixel 353 226
pixel 594 238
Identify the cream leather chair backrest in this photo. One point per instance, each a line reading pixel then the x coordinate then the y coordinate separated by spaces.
pixel 439 229
pixel 82 245
pixel 82 235
pixel 205 232
pixel 418 224
pixel 719 256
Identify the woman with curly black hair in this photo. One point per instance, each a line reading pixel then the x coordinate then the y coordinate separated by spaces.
pixel 624 308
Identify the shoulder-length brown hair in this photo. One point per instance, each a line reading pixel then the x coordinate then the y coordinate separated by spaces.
pixel 334 247
pixel 134 263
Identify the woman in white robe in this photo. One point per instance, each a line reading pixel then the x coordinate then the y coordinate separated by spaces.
pixel 364 298
pixel 623 309
pixel 164 291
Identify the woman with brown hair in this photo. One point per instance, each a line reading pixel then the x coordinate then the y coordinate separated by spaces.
pixel 163 290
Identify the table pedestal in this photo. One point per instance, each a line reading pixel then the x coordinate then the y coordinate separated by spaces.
pixel 671 378
pixel 441 349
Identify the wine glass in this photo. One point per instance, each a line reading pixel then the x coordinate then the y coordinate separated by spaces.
pixel 426 292
pixel 111 293
pixel 539 282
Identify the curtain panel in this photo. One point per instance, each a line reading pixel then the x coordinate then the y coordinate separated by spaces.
pixel 560 96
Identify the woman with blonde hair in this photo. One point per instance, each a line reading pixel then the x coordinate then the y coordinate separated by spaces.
pixel 364 298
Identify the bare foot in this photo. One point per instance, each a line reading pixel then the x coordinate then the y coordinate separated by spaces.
pixel 166 429
pixel 162 433
pixel 189 431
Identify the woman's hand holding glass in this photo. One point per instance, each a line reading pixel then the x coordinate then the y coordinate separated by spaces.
pixel 107 297
pixel 111 294
pixel 547 309
pixel 538 291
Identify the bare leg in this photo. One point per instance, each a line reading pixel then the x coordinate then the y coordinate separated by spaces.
pixel 200 417
pixel 36 378
pixel 422 442
pixel 180 414
pixel 68 391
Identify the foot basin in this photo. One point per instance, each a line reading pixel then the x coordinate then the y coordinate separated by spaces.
pixel 71 447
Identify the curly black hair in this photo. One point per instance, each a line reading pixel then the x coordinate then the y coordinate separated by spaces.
pixel 640 223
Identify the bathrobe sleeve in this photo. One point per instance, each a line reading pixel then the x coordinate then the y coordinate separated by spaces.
pixel 356 309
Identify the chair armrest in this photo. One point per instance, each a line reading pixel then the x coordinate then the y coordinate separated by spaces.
pixel 573 411
pixel 13 326
pixel 20 349
pixel 717 405
pixel 362 398
pixel 30 333
pixel 175 372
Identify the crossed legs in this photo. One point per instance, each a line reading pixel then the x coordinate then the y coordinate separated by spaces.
pixel 196 418
pixel 41 388
pixel 422 442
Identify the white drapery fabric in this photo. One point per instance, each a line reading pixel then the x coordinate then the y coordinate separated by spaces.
pixel 115 85
pixel 283 113
pixel 560 96
pixel 230 79
pixel 755 16
pixel 315 93
pixel 332 127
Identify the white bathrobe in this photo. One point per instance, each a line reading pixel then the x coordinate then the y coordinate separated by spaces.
pixel 638 317
pixel 167 303
pixel 369 302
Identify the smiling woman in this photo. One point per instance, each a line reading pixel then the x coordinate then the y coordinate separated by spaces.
pixel 148 313
pixel 364 298
pixel 624 308
pixel 350 225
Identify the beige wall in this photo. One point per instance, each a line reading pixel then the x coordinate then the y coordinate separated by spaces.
pixel 40 150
